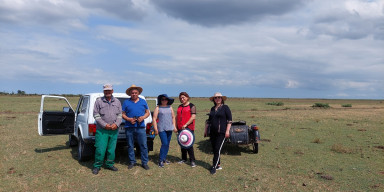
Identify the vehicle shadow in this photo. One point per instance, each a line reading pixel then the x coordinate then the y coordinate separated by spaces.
pixel 228 149
pixel 56 148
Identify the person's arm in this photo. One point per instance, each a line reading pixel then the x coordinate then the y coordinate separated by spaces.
pixel 131 120
pixel 173 120
pixel 141 118
pixel 97 116
pixel 193 117
pixel 228 115
pixel 154 119
pixel 119 118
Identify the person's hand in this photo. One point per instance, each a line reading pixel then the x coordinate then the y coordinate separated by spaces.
pixel 227 134
pixel 108 127
pixel 132 120
pixel 114 127
pixel 175 130
pixel 140 119
pixel 184 126
pixel 156 132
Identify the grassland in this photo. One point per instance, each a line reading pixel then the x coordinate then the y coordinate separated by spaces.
pixel 302 149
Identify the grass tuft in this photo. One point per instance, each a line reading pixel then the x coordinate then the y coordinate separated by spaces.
pixel 339 148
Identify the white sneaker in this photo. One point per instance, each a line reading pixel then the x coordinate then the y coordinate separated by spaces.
pixel 219 167
pixel 181 162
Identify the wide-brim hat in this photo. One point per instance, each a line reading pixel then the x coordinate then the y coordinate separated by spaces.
pixel 186 139
pixel 128 91
pixel 170 100
pixel 218 94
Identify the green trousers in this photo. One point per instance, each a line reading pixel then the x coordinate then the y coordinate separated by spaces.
pixel 105 141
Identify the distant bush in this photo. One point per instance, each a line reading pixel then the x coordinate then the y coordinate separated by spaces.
pixel 275 103
pixel 346 105
pixel 321 105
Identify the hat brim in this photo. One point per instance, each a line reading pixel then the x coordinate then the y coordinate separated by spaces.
pixel 128 91
pixel 170 100
pixel 191 139
pixel 223 97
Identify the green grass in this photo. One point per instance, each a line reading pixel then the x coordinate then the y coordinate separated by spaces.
pixel 302 149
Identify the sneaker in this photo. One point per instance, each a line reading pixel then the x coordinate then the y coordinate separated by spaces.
pixel 193 164
pixel 182 162
pixel 161 164
pixel 213 171
pixel 145 167
pixel 112 168
pixel 218 167
pixel 130 166
pixel 167 162
pixel 96 170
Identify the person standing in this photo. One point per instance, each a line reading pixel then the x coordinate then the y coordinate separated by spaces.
pixel 185 119
pixel 220 121
pixel 165 125
pixel 135 110
pixel 108 115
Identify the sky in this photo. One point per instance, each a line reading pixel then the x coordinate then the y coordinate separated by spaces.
pixel 332 49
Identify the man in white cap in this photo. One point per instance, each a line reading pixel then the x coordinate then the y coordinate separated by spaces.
pixel 108 116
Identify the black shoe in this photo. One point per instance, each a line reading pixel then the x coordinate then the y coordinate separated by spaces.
pixel 112 168
pixel 213 170
pixel 96 170
pixel 130 166
pixel 145 167
pixel 167 162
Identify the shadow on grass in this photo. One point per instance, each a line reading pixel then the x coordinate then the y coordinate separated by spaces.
pixel 57 148
pixel 228 149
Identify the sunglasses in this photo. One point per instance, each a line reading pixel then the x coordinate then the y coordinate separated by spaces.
pixel 217 97
pixel 164 99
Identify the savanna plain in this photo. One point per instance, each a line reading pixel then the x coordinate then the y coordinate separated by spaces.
pixel 302 148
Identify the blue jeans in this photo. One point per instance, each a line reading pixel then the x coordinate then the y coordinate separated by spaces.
pixel 165 137
pixel 139 134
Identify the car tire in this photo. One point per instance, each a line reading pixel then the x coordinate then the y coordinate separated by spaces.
pixel 84 150
pixel 72 140
pixel 255 147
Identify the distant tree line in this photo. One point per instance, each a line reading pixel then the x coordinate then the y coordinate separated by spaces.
pixel 23 93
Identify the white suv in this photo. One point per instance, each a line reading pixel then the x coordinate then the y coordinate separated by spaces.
pixel 79 124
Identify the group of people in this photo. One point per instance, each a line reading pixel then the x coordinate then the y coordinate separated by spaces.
pixel 109 112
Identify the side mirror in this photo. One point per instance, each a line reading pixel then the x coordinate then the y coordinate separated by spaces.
pixel 67 109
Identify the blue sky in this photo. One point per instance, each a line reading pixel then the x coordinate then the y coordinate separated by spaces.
pixel 243 48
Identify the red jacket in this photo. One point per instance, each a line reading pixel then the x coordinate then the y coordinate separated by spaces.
pixel 184 113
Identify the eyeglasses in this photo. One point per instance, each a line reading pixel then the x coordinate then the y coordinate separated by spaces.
pixel 164 99
pixel 217 97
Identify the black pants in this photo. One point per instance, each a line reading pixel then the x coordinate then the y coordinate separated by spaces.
pixel 190 152
pixel 217 144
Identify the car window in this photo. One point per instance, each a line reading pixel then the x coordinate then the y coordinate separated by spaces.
pixel 84 104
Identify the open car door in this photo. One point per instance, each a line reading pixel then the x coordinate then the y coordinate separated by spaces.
pixel 56 116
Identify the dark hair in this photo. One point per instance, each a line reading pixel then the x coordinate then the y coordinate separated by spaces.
pixel 183 93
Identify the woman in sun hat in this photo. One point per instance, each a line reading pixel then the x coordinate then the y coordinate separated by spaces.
pixel 164 124
pixel 220 120
pixel 185 119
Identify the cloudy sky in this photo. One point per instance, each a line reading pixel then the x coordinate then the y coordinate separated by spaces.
pixel 242 48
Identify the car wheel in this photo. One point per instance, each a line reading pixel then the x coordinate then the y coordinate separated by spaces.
pixel 72 140
pixel 84 150
pixel 255 147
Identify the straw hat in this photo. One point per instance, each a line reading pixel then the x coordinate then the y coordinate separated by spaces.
pixel 128 91
pixel 218 94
